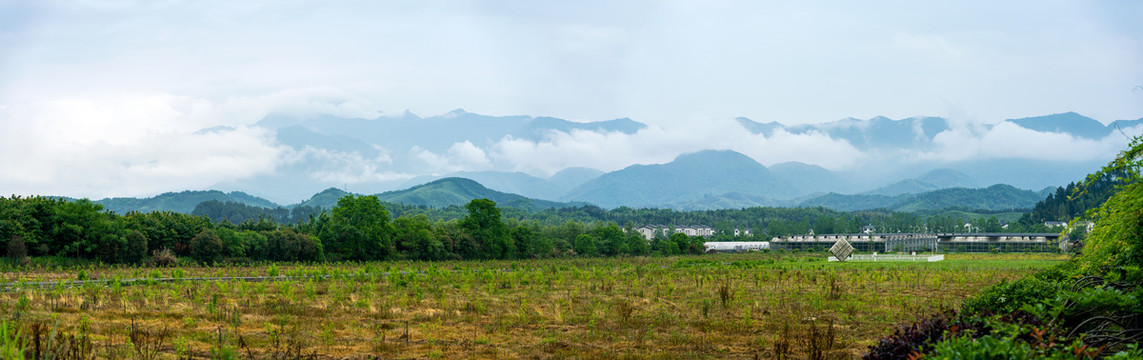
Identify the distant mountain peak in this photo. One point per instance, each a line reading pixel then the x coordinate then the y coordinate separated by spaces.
pixel 689 177
pixel 721 157
pixel 409 115
pixel 765 129
pixel 332 190
pixel 456 113
pixel 1066 123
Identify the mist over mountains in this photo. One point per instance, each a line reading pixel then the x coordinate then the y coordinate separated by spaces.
pixel 877 161
pixel 718 165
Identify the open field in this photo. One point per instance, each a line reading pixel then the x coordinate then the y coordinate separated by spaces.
pixel 709 306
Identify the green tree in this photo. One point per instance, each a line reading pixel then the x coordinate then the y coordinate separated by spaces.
pixel 525 241
pixel 611 240
pixel 16 249
pixel 585 245
pixel 487 229
pixel 206 247
pixel 234 244
pixel 358 229
pixel 682 242
pixel 136 250
pixel 415 237
pixel 990 224
pixel 667 247
pixel 288 245
pixel 636 243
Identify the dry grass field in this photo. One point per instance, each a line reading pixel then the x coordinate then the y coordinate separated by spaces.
pixel 711 306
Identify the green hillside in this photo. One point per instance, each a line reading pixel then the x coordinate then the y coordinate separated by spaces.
pixel 996 197
pixel 459 191
pixel 180 202
pixel 325 199
pixel 688 178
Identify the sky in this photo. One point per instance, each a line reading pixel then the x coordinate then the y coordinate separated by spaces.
pixel 107 98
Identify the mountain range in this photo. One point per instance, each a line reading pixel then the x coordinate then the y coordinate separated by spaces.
pixel 459 191
pixel 395 155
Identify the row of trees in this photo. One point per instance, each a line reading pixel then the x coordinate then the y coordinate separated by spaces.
pixel 362 228
pixel 1076 199
pixel 358 228
pixel 764 223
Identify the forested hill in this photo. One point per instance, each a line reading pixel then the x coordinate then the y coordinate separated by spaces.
pixel 686 180
pixel 181 202
pixel 459 191
pixel 996 197
pixel 1067 203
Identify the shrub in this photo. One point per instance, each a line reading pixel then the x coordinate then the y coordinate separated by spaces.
pixel 17 251
pixel 164 258
pixel 914 338
pixel 1117 238
pixel 1011 347
pixel 1006 297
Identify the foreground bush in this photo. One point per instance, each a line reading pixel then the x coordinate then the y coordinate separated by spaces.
pixel 1088 308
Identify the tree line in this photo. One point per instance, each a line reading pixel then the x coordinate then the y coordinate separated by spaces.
pixel 1076 199
pixel 358 228
pixel 363 228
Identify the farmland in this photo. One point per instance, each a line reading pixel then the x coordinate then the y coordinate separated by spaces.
pixel 710 306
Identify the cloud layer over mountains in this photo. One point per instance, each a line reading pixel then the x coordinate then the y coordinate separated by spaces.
pixel 288 157
pixel 133 98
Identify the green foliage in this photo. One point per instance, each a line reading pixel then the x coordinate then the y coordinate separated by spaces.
pixel 206 247
pixel 458 191
pixel 585 245
pixel 181 202
pixel 611 240
pixel 135 251
pixel 487 229
pixel 358 229
pixel 415 238
pixel 285 245
pixel 667 247
pixel 1005 297
pixel 238 213
pixel 11 341
pixel 1081 308
pixel 996 197
pixel 1076 199
pixel 17 251
pixel 1101 300
pixel 992 347
pixel 636 243
pixel 1117 239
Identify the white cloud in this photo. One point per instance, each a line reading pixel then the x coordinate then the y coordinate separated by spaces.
pixel 135 144
pixel 466 154
pixel 337 167
pixel 461 156
pixel 615 150
pixel 146 165
pixel 1008 140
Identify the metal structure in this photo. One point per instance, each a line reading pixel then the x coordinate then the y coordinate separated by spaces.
pixel 736 246
pixel 841 250
pixel 925 242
